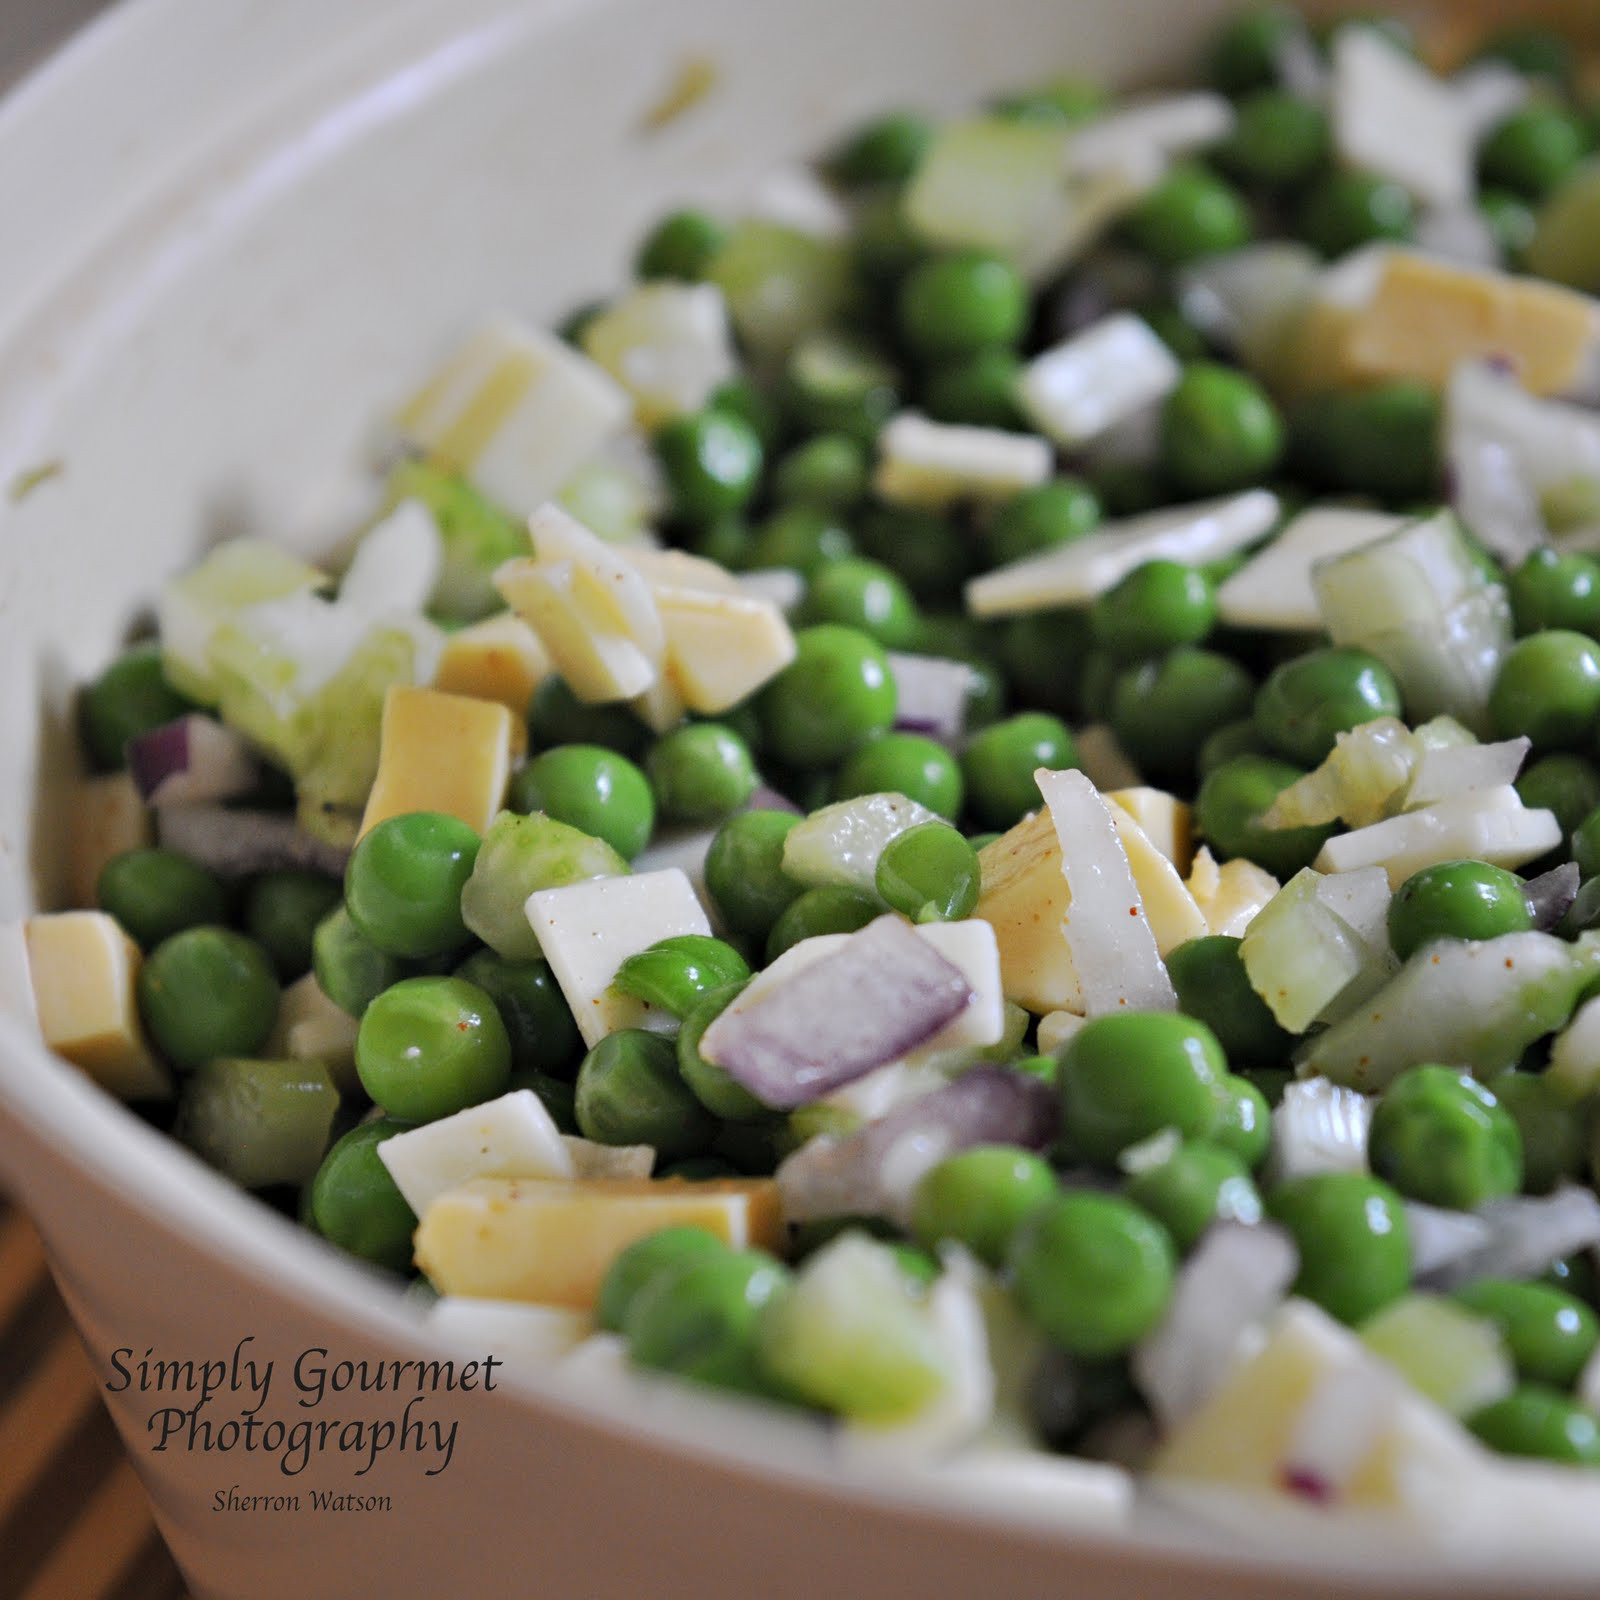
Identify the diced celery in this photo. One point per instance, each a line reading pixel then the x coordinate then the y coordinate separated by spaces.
pixel 841 843
pixel 1571 505
pixel 1359 779
pixel 853 1335
pixel 260 1122
pixel 1476 1005
pixel 1301 956
pixel 477 537
pixel 1574 1071
pixel 608 500
pixel 519 855
pixel 1457 1360
pixel 1566 244
pixel 780 284
pixel 667 344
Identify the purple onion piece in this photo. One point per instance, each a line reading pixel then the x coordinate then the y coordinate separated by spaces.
pixel 931 695
pixel 874 1171
pixel 191 761
pixel 1549 897
pixel 238 843
pixel 767 798
pixel 884 992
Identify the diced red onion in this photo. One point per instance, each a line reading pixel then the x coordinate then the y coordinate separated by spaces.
pixel 238 843
pixel 884 992
pixel 1440 1238
pixel 1235 1278
pixel 875 1171
pixel 1527 1234
pixel 191 761
pixel 766 798
pixel 931 695
pixel 1549 897
pixel 1320 1126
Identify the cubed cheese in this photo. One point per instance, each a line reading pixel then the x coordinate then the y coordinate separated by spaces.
pixel 551 1242
pixel 587 930
pixel 1024 898
pixel 935 464
pixel 613 588
pixel 517 411
pixel 440 752
pixel 721 648
pixel 593 1160
pixel 84 969
pixel 1165 819
pixel 1273 588
pixel 1230 895
pixel 522 1336
pixel 512 1137
pixel 1169 908
pixel 1056 1029
pixel 599 661
pixel 310 1027
pixel 1112 370
pixel 667 344
pixel 108 816
pixel 499 658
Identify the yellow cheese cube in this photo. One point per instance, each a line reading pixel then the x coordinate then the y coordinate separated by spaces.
pixel 1024 898
pixel 677 569
pixel 441 752
pixel 1229 895
pixel 1165 819
pixel 721 648
pixel 551 1241
pixel 84 968
pixel 310 1027
pixel 1169 908
pixel 599 660
pixel 499 658
pixel 107 817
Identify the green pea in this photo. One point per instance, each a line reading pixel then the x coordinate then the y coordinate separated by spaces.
pixel 130 697
pixel 1551 1132
pixel 802 537
pixel 1512 221
pixel 1533 150
pixel 1189 214
pixel 1537 52
pixel 1000 761
pixel 884 245
pixel 1456 900
pixel 207 992
pixel 1042 518
pixel 1439 1136
pixel 673 974
pixel 1093 1271
pixel 629 1092
pixel 350 969
pixel 836 693
pixel 1308 701
pixel 1565 784
pixel 1126 488
pixel 558 1096
pixel 1349 209
pixel 1219 431
pixel 1229 807
pixel 1243 53
pixel 926 548
pixel 955 305
pixel 739 397
pixel 978 390
pixel 1556 589
pixel 713 1086
pixel 632 1268
pixel 403 884
pixel 1548 688
pixel 1176 331
pixel 1158 606
pixel 590 788
pixel 680 246
pixel 837 384
pixel 1382 440
pixel 558 717
pixel 829 471
pixel 980 1198
pixel 929 873
pixel 886 150
pixel 712 461
pixel 538 1021
pixel 1245 1126
pixel 701 772
pixel 1537 1421
pixel 1278 142
pixel 1128 1075
pixel 1064 103
pixel 355 1203
pixel 1163 711
pixel 1043 656
pixel 832 909
pixel 699 1169
pixel 1197 1185
pixel 699 1319
pixel 866 596
pixel 744 871
pixel 282 912
pixel 429 1047
pixel 1350 1230
pixel 1214 988
pixel 904 763
pixel 154 894
pixel 1586 845
pixel 755 1148
pixel 1550 1334
pixel 1241 738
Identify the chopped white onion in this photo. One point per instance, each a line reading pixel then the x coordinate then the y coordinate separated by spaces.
pixel 1458 233
pixel 190 761
pixel 1317 1127
pixel 1109 372
pixel 1455 769
pixel 1527 1235
pixel 935 464
pixel 1245 301
pixel 397 564
pixel 1441 1238
pixel 931 695
pixel 1143 134
pixel 1487 92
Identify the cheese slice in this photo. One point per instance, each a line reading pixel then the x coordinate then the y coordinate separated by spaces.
pixel 1169 908
pixel 1111 371
pixel 1023 898
pixel 935 464
pixel 440 752
pixel 109 816
pixel 721 647
pixel 552 1242
pixel 1229 895
pixel 84 970
pixel 1167 822
pixel 1273 589
pixel 587 930
pixel 499 658
pixel 599 660
pixel 613 589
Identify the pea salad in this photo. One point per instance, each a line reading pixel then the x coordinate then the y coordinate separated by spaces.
pixel 971 807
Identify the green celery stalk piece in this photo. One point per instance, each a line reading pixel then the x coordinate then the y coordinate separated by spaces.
pixel 476 534
pixel 260 1122
pixel 1299 954
pixel 780 284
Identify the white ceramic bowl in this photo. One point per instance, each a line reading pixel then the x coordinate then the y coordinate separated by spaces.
pixel 233 234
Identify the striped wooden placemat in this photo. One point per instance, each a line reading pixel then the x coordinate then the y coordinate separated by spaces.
pixel 74 1520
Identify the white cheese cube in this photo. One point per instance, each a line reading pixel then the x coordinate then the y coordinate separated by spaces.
pixel 935 464
pixel 512 1137
pixel 1110 372
pixel 592 1160
pixel 667 344
pixel 523 1336
pixel 587 930
pixel 517 411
